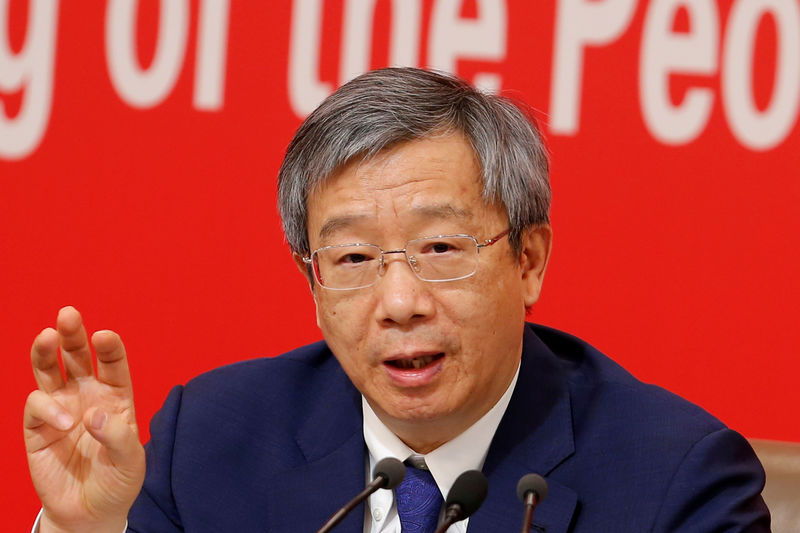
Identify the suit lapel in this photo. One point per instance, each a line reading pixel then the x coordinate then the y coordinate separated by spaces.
pixel 331 439
pixel 535 435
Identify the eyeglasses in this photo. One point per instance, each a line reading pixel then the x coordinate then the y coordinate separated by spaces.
pixel 438 258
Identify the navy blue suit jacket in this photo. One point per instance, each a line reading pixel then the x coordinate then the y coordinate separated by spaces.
pixel 276 445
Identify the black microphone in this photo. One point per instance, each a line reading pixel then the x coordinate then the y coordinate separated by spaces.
pixel 531 489
pixel 388 473
pixel 465 497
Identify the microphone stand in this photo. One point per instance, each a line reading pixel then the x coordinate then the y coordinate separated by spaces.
pixel 531 500
pixel 374 485
pixel 451 516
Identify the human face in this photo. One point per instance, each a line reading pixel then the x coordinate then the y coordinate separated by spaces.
pixel 430 358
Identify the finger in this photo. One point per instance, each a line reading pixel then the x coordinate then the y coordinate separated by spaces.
pixel 44 359
pixel 44 420
pixel 112 363
pixel 120 439
pixel 75 349
pixel 41 408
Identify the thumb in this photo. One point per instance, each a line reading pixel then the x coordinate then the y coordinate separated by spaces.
pixel 119 438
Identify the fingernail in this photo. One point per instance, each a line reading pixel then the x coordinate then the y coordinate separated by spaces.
pixel 64 421
pixel 99 419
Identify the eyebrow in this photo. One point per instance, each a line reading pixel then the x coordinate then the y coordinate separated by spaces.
pixel 436 211
pixel 332 225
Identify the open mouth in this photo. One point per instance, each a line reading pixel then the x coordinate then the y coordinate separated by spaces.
pixel 415 363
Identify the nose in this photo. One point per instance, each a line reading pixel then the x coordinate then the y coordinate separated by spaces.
pixel 403 298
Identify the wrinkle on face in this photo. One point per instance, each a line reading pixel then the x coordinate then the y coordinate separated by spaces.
pixel 391 186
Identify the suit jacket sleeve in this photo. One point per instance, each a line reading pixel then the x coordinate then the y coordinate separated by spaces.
pixel 717 487
pixel 154 511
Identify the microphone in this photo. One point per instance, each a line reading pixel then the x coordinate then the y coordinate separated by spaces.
pixel 388 473
pixel 465 497
pixel 531 490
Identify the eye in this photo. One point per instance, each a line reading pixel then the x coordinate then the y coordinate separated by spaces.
pixel 440 247
pixel 354 258
pixel 446 246
pixel 348 256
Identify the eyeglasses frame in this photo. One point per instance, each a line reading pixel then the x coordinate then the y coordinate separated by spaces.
pixel 315 267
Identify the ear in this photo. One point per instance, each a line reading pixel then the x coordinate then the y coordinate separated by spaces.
pixel 536 244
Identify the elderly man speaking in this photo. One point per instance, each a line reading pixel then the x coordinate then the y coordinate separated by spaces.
pixel 417 208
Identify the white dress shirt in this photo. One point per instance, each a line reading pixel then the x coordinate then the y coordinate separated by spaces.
pixel 465 452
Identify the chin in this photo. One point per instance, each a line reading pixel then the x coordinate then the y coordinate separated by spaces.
pixel 414 410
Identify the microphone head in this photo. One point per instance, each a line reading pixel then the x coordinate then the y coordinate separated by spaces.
pixel 532 483
pixel 391 469
pixel 468 491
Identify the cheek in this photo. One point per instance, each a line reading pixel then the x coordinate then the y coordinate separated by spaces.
pixel 328 309
pixel 505 291
pixel 340 330
pixel 493 293
pixel 343 322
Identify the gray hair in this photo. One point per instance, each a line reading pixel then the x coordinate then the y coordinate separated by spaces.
pixel 386 107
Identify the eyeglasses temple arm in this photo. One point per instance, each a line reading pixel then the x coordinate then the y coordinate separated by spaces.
pixel 489 242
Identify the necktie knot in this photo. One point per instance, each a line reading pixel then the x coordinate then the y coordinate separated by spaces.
pixel 419 502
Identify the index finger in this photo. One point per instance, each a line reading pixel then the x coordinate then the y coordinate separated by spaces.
pixel 44 359
pixel 112 362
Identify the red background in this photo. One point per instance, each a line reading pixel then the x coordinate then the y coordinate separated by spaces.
pixel 680 262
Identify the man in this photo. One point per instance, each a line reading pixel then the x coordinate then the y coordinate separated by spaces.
pixel 417 208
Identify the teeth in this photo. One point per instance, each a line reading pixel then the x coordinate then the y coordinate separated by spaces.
pixel 416 363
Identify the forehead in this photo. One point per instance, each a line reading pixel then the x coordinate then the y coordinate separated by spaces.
pixel 410 186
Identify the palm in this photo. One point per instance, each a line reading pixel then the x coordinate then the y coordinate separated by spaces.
pixel 80 479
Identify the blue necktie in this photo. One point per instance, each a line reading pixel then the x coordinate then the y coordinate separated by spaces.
pixel 419 502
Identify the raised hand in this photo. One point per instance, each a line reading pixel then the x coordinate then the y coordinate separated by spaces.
pixel 84 454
